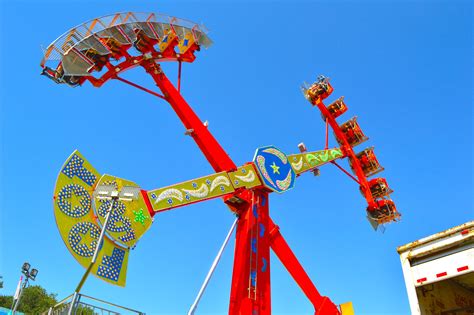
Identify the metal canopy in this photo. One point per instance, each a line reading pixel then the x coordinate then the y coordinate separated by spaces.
pixel 74 49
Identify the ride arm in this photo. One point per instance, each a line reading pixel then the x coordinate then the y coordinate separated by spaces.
pixel 308 161
pixel 222 184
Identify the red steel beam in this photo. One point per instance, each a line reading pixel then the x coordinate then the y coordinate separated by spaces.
pixel 250 291
pixel 322 304
pixel 140 87
pixel 211 149
pixel 348 151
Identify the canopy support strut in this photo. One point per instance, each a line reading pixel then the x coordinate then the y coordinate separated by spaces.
pixel 193 307
pixel 140 87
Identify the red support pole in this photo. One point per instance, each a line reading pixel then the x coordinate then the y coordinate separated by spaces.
pixel 250 292
pixel 345 172
pixel 212 150
pixel 140 87
pixel 327 135
pixel 179 76
pixel 322 304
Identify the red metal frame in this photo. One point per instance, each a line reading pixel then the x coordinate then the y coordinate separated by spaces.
pixel 256 232
pixel 348 151
pixel 322 304
pixel 250 291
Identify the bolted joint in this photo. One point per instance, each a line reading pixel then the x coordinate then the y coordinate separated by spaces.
pixel 302 147
pixel 316 171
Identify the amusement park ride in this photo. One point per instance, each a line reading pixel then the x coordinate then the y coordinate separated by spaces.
pixel 101 217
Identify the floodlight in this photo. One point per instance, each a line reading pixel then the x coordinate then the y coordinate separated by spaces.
pixel 33 274
pixel 26 267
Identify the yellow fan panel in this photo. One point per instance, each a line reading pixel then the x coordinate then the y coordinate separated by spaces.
pixel 77 224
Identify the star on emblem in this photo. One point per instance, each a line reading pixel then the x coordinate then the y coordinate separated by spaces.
pixel 139 216
pixel 276 169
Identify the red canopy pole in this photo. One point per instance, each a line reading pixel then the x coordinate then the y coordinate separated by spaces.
pixel 209 146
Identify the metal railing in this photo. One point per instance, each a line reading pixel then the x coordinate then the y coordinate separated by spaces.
pixel 87 305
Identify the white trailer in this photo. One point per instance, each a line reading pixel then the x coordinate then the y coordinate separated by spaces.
pixel 439 272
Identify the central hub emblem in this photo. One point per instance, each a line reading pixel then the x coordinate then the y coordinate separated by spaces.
pixel 274 169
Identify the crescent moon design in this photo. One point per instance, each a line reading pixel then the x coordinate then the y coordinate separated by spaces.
pixel 261 166
pixel 311 157
pixel 284 184
pixel 324 156
pixel 219 180
pixel 278 153
pixel 250 177
pixel 170 193
pixel 201 192
pixel 336 153
pixel 298 165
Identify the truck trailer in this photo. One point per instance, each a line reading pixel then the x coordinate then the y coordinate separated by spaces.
pixel 439 272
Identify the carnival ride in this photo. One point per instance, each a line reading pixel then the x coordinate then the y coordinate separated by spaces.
pixel 101 217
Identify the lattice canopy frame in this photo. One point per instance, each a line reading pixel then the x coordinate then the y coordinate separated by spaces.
pixel 93 45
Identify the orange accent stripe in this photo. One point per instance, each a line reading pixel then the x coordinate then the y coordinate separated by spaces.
pixel 114 20
pixel 149 18
pixel 89 30
pixel 126 17
pixel 48 52
pixel 68 38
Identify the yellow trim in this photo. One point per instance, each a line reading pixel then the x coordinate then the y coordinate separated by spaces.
pixel 347 309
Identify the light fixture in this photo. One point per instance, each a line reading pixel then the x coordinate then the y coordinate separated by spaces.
pixel 33 274
pixel 25 268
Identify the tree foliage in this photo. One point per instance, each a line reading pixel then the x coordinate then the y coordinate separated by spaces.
pixel 34 300
pixel 6 301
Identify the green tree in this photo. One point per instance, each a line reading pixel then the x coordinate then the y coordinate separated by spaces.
pixel 84 310
pixel 34 300
pixel 6 301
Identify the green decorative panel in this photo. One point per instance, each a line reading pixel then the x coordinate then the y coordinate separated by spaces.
pixel 306 161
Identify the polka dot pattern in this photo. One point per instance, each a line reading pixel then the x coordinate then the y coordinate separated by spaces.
pixel 118 223
pixel 80 232
pixel 75 168
pixel 65 204
pixel 112 265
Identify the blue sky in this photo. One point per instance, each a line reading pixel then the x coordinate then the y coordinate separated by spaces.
pixel 404 67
